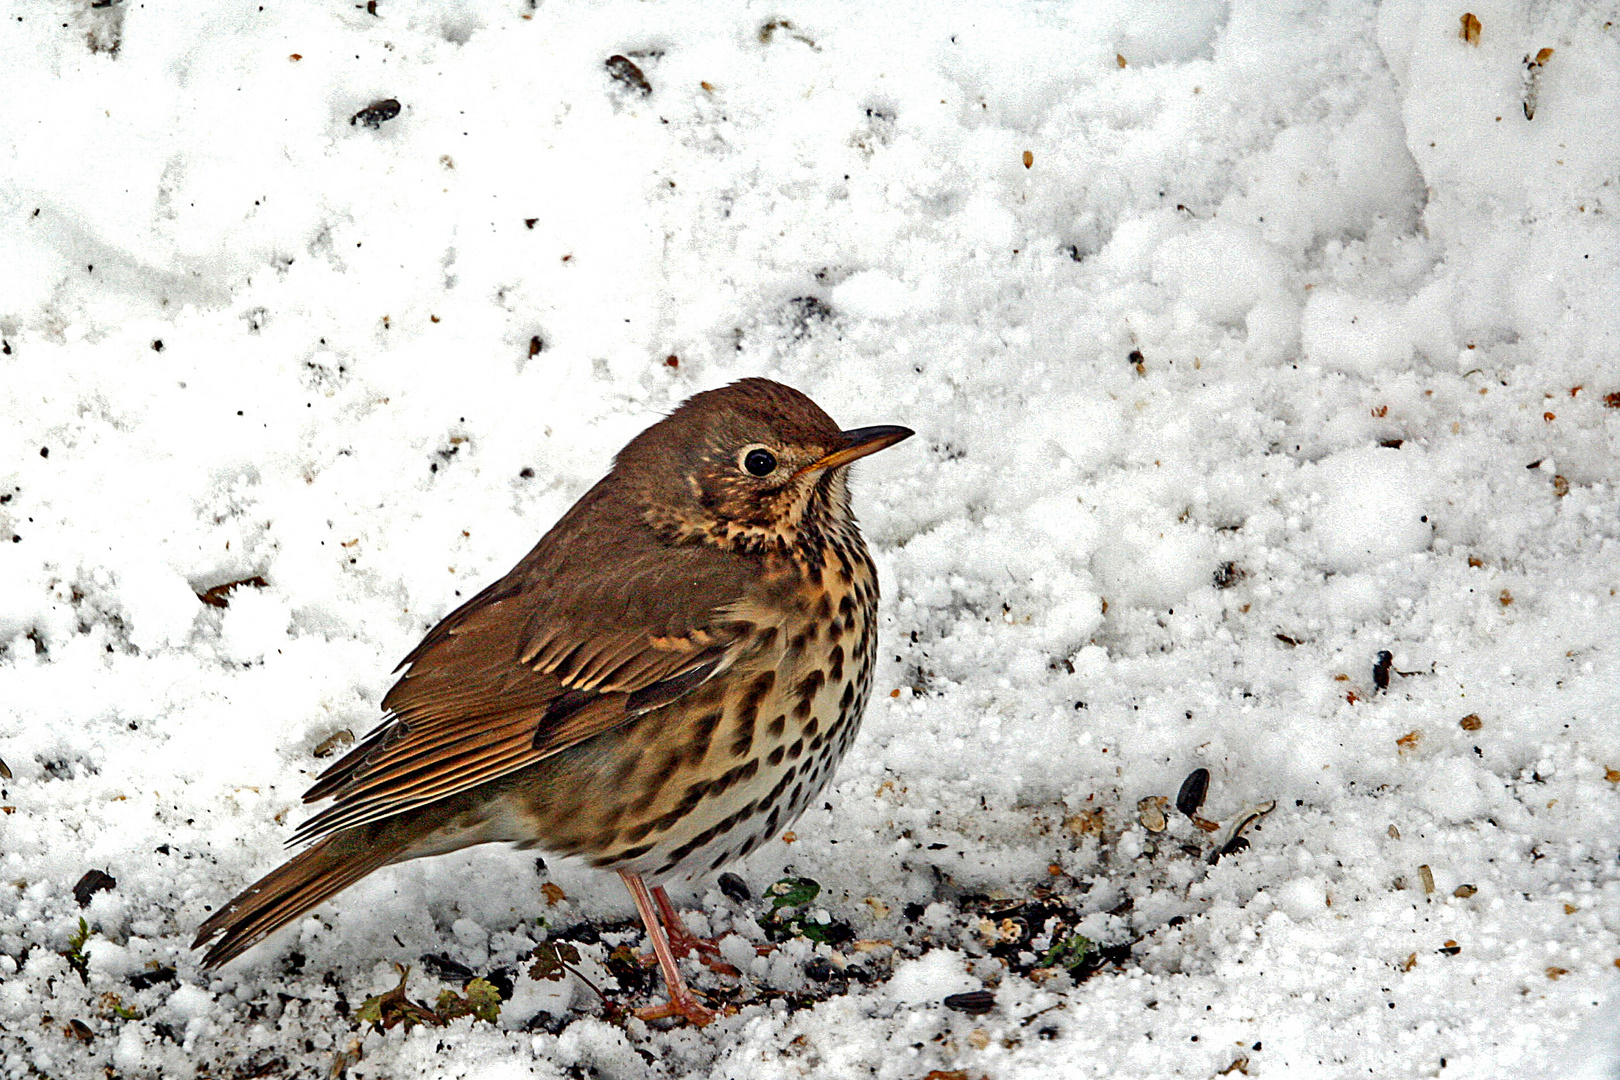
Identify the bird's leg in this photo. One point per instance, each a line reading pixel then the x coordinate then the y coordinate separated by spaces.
pixel 682 1002
pixel 681 939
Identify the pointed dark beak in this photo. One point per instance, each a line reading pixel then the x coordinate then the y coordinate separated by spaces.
pixel 859 442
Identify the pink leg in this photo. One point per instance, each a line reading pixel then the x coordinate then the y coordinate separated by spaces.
pixel 682 1002
pixel 684 942
pixel 681 940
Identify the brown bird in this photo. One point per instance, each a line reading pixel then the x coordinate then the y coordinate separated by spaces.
pixel 659 687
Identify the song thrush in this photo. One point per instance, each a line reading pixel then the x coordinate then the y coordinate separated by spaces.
pixel 660 686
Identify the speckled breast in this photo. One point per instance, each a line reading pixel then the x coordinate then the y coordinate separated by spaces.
pixel 719 773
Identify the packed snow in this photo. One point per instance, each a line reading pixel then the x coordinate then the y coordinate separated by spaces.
pixel 1245 342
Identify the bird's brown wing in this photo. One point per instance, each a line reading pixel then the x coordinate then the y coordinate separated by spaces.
pixel 600 623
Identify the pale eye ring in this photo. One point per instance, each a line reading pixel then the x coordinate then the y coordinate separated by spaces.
pixel 759 462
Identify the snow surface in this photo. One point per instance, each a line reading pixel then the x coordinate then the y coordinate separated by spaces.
pixel 1377 313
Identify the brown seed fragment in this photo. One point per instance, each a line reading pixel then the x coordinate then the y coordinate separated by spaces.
pixel 1470 29
pixel 1235 840
pixel 973 1002
pixel 1381 669
pixel 376 114
pixel 219 595
pixel 553 893
pixel 1119 59
pixel 1029 159
pixel 1463 892
pixel 1556 973
pixel 623 70
pixel 734 887
pixel 1085 823
pixel 1451 948
pixel 1471 722
pixel 1150 812
pixel 1427 876
pixel 1408 742
pixel 1193 791
pixel 94 881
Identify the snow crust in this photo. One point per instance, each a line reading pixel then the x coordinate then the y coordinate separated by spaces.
pixel 1244 341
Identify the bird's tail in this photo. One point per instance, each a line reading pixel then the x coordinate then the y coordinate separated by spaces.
pixel 295 887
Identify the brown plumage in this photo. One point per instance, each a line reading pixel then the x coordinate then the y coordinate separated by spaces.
pixel 662 684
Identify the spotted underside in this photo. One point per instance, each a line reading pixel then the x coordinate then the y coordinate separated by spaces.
pixel 691 786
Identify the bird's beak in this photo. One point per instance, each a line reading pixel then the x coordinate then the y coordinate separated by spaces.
pixel 858 443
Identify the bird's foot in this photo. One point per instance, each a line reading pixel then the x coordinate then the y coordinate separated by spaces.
pixel 685 1006
pixel 682 1002
pixel 684 943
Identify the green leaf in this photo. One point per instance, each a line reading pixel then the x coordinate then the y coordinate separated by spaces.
pixel 551 960
pixel 75 951
pixel 371 1011
pixel 482 1002
pixel 485 1000
pixel 793 892
pixel 392 1007
pixel 786 918
pixel 1069 952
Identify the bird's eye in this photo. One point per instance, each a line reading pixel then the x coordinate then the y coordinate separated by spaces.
pixel 759 462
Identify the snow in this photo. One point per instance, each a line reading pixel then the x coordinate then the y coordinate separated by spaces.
pixel 930 977
pixel 1290 341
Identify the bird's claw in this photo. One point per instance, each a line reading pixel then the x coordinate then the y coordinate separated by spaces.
pixel 707 950
pixel 688 1008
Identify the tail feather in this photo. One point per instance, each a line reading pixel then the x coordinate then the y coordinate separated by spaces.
pixel 292 889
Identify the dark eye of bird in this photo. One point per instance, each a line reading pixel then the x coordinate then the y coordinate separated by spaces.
pixel 760 462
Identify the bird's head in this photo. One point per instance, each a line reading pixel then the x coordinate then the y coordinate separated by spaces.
pixel 751 466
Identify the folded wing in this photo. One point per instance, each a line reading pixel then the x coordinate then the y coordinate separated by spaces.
pixel 547 657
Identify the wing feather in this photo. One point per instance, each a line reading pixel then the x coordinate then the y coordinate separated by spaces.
pixel 543 659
